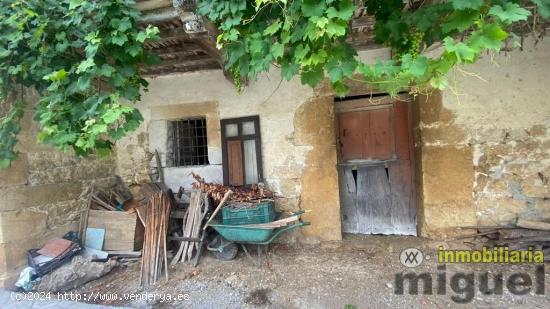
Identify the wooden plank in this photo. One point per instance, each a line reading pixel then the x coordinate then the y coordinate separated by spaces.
pixel 351 182
pixel 121 229
pixel 348 200
pixel 235 163
pixel 377 198
pixel 351 135
pixel 368 103
pixel 152 4
pixel 403 210
pixel 378 139
pixel 401 123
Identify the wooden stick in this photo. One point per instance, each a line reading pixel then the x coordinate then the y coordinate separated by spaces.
pixel 274 224
pixel 473 235
pixel 102 203
pixel 224 199
pixel 177 256
pixel 167 217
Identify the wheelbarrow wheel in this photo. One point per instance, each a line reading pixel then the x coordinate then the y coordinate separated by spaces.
pixel 224 249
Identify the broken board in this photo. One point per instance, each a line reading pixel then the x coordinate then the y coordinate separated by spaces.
pixel 123 231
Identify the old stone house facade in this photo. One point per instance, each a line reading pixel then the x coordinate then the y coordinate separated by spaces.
pixel 479 152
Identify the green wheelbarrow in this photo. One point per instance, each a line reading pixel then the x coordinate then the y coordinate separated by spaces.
pixel 225 245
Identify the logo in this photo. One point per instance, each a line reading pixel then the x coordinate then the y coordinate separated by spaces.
pixel 411 257
pixel 465 285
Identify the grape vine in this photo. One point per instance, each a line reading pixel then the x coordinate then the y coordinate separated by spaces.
pixel 308 38
pixel 83 59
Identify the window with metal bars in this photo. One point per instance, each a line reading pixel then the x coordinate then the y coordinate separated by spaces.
pixel 189 142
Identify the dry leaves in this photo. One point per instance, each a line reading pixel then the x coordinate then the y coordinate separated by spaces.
pixel 253 193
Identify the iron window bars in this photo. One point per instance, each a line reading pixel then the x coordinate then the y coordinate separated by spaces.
pixel 190 143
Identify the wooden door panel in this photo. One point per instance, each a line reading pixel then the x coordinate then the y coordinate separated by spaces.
pixel 351 135
pixel 375 191
pixel 403 211
pixel 379 135
pixel 378 197
pixel 348 200
pixel 363 204
pixel 235 163
pixel 383 202
pixel 402 134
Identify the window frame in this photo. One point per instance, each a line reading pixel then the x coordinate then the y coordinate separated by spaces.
pixel 257 141
pixel 173 136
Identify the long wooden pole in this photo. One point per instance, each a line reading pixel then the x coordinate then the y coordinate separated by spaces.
pixel 220 205
pixel 167 205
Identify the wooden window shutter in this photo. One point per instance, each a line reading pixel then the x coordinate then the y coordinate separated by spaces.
pixel 235 163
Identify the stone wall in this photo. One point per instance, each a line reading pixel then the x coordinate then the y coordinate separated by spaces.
pixel 41 196
pixel 484 144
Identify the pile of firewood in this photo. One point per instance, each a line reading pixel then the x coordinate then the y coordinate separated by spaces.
pixel 524 234
pixel 217 191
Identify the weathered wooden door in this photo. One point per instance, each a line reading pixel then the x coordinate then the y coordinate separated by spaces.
pixel 376 167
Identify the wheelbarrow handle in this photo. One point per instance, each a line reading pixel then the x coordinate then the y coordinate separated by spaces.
pixel 279 231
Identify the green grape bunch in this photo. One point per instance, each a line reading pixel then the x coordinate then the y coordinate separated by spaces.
pixel 416 40
pixel 412 44
pixel 237 79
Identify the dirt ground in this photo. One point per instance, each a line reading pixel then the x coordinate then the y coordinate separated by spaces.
pixel 358 272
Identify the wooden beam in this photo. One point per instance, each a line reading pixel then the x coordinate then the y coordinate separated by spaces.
pixel 152 4
pixel 182 55
pixel 188 60
pixel 178 65
pixel 159 16
pixel 164 15
pixel 209 47
pixel 211 65
pixel 184 47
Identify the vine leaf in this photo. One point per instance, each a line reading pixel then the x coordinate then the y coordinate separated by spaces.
pixel 511 13
pixel 460 50
pixel 460 20
pixel 313 8
pixel 543 7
